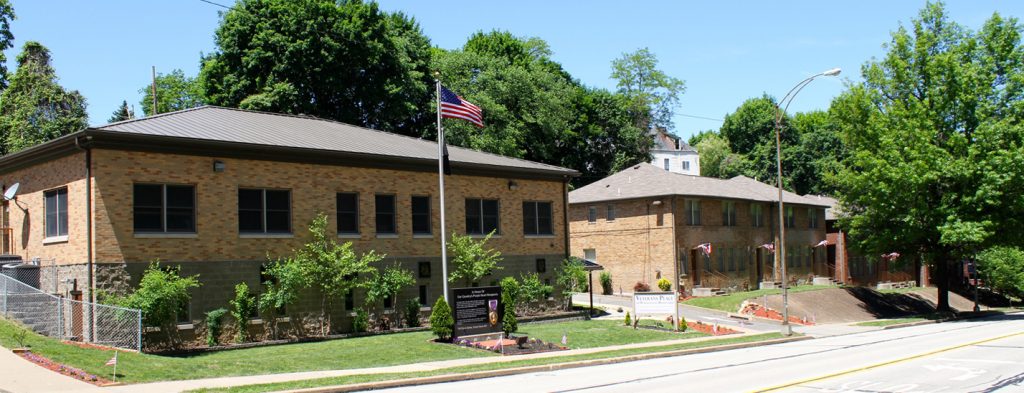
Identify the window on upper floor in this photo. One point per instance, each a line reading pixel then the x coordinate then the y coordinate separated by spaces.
pixel 790 217
pixel 56 213
pixel 610 212
pixel 728 213
pixel 667 164
pixel 482 216
pixel 348 213
pixel 812 217
pixel 264 211
pixel 592 214
pixel 164 208
pixel 686 165
pixel 385 208
pixel 421 215
pixel 692 212
pixel 756 215
pixel 537 218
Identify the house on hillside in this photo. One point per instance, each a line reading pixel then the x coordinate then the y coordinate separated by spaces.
pixel 643 223
pixel 674 155
pixel 217 191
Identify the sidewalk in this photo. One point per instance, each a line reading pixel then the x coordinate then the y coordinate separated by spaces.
pixel 18 375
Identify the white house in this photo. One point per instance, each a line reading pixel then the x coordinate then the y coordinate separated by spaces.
pixel 674 155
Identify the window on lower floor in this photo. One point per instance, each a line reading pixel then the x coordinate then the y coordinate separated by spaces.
pixel 164 208
pixel 542 265
pixel 264 211
pixel 56 212
pixel 423 295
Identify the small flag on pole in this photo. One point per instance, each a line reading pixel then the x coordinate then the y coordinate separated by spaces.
pixel 565 339
pixel 822 243
pixel 112 361
pixel 890 256
pixel 455 107
pixel 705 248
pixel 768 246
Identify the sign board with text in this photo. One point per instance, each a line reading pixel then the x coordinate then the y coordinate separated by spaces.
pixel 477 311
pixel 654 303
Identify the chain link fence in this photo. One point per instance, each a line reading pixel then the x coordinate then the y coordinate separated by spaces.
pixel 70 320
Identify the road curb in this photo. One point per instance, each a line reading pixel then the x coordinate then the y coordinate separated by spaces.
pixel 549 367
pixel 972 315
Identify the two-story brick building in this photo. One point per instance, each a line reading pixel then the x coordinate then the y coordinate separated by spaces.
pixel 639 221
pixel 218 191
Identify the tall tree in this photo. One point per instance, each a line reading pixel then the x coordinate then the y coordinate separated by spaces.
pixel 654 95
pixel 752 123
pixel 35 108
pixel 174 92
pixel 6 38
pixel 935 139
pixel 341 60
pixel 121 114
pixel 717 159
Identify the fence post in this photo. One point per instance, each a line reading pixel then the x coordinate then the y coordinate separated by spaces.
pixel 6 297
pixel 60 318
pixel 138 317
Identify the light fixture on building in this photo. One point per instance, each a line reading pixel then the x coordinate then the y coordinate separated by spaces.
pixel 656 203
pixel 512 185
pixel 218 166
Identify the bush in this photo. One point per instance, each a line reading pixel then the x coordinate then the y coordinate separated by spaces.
pixel 682 323
pixel 214 326
pixel 664 285
pixel 242 307
pixel 606 283
pixel 161 295
pixel 441 322
pixel 629 322
pixel 641 287
pixel 531 289
pixel 572 278
pixel 412 313
pixel 1003 269
pixel 509 293
pixel 361 321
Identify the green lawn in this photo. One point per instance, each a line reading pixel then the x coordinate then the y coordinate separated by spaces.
pixel 594 333
pixel 887 322
pixel 900 290
pixel 362 352
pixel 732 301
pixel 360 378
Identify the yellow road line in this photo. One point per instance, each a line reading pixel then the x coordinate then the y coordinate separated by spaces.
pixel 886 363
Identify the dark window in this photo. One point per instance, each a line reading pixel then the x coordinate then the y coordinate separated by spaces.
pixel 184 313
pixel 692 212
pixel 592 214
pixel 482 216
pixel 266 280
pixel 537 218
pixel 56 212
pixel 423 295
pixel 264 211
pixel 812 217
pixel 728 213
pixel 542 265
pixel 385 206
pixel 164 208
pixel 756 215
pixel 424 268
pixel 350 301
pixel 348 213
pixel 790 217
pixel 610 213
pixel 421 214
pixel 387 301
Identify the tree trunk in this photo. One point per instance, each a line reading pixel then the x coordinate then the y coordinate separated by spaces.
pixel 942 282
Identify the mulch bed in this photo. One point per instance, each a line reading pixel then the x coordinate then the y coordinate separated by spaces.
pixel 508 346
pixel 66 370
pixel 764 312
pixel 710 329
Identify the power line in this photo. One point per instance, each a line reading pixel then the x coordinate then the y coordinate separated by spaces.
pixel 699 117
pixel 216 4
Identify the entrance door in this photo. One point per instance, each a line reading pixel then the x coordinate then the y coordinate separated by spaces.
pixel 695 268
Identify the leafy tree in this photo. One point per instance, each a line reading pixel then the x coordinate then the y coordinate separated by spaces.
pixel 572 278
pixel 606 283
pixel 1003 269
pixel 242 307
pixel 932 134
pixel 161 295
pixel 388 284
pixel 653 94
pixel 286 279
pixel 717 159
pixel 509 298
pixel 471 259
pixel 6 38
pixel 121 114
pixel 752 123
pixel 174 92
pixel 602 139
pixel 531 290
pixel 412 312
pixel 341 60
pixel 441 321
pixel 35 108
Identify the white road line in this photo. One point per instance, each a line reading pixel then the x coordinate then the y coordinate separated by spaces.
pixel 980 361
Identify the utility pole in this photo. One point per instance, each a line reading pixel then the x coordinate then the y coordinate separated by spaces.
pixel 154 90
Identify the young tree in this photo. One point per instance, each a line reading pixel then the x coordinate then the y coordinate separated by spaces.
pixel 242 307
pixel 35 108
pixel 340 60
pixel 572 278
pixel 286 279
pixel 471 259
pixel 654 95
pixel 121 114
pixel 161 295
pixel 388 284
pixel 174 92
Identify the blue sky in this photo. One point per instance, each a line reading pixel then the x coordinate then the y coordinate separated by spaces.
pixel 726 51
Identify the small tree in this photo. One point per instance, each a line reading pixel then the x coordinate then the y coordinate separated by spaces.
pixel 628 320
pixel 286 279
pixel 214 326
pixel 606 283
pixel 161 295
pixel 242 306
pixel 471 259
pixel 572 278
pixel 412 313
pixel 531 290
pixel 441 322
pixel 388 284
pixel 509 296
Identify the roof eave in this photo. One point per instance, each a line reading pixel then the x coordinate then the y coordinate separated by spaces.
pixel 60 147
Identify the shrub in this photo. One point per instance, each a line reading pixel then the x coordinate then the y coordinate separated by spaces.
pixel 629 322
pixel 509 293
pixel 441 322
pixel 361 321
pixel 214 326
pixel 606 283
pixel 682 323
pixel 531 289
pixel 412 312
pixel 572 277
pixel 388 284
pixel 664 285
pixel 242 307
pixel 161 295
pixel 641 287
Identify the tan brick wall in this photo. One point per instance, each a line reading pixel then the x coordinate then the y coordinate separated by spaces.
pixel 633 247
pixel 28 217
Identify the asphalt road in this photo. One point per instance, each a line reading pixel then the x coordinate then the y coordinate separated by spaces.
pixel 982 355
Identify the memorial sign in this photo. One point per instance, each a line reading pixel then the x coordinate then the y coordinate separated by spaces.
pixel 477 311
pixel 648 303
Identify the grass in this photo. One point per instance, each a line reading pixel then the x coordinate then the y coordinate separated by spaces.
pixel 887 322
pixel 353 353
pixel 900 290
pixel 732 301
pixel 362 378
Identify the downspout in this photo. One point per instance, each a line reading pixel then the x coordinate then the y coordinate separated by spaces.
pixel 88 216
pixel 675 265
pixel 565 214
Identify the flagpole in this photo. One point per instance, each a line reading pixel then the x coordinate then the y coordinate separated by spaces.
pixel 440 176
pixel 115 366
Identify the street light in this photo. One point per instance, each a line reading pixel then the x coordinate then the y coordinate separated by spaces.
pixel 780 246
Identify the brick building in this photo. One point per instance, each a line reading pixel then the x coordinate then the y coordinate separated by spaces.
pixel 218 191
pixel 639 221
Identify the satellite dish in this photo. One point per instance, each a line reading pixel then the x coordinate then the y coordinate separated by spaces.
pixel 11 192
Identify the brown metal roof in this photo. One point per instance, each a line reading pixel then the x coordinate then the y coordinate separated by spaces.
pixel 646 180
pixel 236 126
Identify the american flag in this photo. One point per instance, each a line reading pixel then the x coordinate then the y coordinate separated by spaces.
pixel 822 243
pixel 768 246
pixel 455 107
pixel 705 248
pixel 112 361
pixel 890 256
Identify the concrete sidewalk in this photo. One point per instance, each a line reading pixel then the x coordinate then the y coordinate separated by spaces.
pixel 18 375
pixel 177 386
